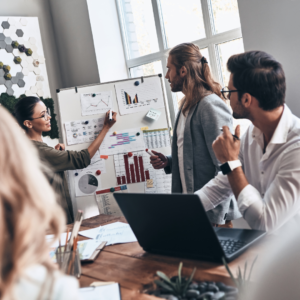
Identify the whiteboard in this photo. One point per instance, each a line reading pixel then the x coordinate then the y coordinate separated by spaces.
pixel 70 110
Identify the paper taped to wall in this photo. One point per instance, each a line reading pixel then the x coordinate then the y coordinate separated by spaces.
pixel 83 131
pixel 95 103
pixel 157 138
pixel 122 141
pixel 135 98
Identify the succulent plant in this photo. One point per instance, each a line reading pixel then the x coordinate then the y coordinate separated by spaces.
pixel 7 76
pixel 1 65
pixel 22 48
pixel 15 44
pixel 6 68
pixel 28 52
pixel 179 287
pixel 241 281
pixel 17 60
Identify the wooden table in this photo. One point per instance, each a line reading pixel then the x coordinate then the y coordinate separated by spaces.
pixel 133 268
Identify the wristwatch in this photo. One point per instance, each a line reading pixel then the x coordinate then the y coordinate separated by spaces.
pixel 230 166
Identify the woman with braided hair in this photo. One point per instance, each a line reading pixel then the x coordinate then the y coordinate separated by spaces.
pixel 202 113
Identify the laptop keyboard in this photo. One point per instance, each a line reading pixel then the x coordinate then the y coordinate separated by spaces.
pixel 231 246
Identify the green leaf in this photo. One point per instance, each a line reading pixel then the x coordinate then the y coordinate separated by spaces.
pixel 164 277
pixel 179 272
pixel 164 285
pixel 229 272
pixel 189 281
pixel 252 267
pixel 245 271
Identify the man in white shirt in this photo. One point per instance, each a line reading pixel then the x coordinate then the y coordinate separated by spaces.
pixel 263 169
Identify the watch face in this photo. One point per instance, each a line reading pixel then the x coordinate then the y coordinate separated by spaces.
pixel 225 168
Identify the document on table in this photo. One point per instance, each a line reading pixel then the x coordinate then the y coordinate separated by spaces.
pixel 115 233
pixel 105 292
pixel 86 248
pixel 55 244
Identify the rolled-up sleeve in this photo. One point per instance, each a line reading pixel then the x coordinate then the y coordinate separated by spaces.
pixel 282 199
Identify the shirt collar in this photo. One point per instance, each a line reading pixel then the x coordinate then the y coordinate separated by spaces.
pixel 281 132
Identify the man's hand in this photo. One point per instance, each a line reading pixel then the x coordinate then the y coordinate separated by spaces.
pixel 60 147
pixel 109 123
pixel 158 161
pixel 226 147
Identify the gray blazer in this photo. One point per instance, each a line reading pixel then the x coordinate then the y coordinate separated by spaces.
pixel 202 126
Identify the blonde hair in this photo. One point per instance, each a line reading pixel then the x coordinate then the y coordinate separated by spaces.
pixel 199 81
pixel 28 206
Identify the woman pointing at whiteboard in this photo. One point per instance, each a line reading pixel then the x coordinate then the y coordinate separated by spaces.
pixel 34 117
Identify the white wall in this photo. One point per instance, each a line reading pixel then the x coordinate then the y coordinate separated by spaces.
pixel 107 40
pixel 74 41
pixel 273 26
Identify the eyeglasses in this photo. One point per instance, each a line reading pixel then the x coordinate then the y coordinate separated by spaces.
pixel 227 93
pixel 45 116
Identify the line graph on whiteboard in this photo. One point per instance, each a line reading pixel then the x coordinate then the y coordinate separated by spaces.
pixel 97 103
pixel 146 95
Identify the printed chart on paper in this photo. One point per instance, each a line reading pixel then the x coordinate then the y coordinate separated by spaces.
pixel 123 141
pixel 146 95
pixel 97 103
pixel 86 180
pixel 131 169
pixel 83 131
pixel 157 138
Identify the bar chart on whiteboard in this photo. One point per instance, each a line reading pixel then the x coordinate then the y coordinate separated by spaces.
pixel 123 141
pixel 130 168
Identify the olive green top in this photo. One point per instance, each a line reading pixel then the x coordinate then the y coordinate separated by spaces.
pixel 60 161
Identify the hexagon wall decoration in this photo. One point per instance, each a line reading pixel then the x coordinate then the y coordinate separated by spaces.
pixel 15 44
pixel 17 60
pixel 22 48
pixel 28 52
pixel 7 76
pixel 21 83
pixel 19 32
pixel 22 58
pixel 5 25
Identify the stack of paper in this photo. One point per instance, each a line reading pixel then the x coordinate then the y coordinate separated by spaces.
pixel 114 233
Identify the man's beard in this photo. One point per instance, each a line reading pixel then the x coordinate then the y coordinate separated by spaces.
pixel 177 84
pixel 240 114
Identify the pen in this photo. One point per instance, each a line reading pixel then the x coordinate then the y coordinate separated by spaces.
pixel 110 115
pixel 236 137
pixel 150 152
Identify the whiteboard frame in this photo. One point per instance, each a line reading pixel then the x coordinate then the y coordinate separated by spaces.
pixel 88 203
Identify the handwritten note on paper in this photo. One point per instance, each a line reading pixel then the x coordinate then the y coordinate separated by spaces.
pixel 115 233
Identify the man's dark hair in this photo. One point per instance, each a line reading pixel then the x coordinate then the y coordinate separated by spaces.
pixel 260 75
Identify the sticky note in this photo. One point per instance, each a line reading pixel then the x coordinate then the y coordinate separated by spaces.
pixel 153 114
pixel 104 156
pixel 149 183
pixel 144 128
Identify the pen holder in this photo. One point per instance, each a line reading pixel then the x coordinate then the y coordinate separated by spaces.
pixel 69 262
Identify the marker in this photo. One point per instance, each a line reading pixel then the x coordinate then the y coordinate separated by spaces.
pixel 110 115
pixel 235 136
pixel 150 152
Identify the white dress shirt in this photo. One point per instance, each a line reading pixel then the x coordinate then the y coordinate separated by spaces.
pixel 180 139
pixel 272 196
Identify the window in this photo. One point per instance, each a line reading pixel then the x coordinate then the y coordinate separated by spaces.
pixel 151 27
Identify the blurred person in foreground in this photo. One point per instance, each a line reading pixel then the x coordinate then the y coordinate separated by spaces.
pixel 202 112
pixel 262 169
pixel 28 209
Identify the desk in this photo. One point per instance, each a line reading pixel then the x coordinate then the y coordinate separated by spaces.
pixel 133 268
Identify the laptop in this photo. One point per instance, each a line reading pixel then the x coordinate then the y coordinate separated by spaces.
pixel 177 225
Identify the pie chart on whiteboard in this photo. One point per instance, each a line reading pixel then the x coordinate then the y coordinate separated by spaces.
pixel 88 184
